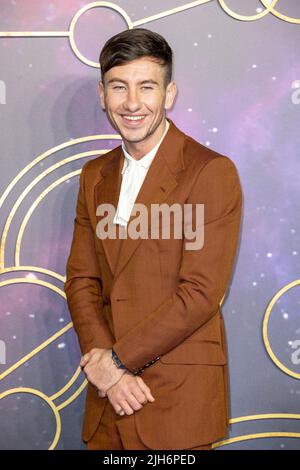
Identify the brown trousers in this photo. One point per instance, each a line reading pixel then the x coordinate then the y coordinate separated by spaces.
pixel 118 432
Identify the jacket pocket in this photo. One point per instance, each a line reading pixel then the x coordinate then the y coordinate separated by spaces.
pixel 196 352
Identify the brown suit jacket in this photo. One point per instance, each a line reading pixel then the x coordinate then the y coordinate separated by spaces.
pixel 150 297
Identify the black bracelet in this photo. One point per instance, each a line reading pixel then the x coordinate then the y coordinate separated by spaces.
pixel 141 369
pixel 116 360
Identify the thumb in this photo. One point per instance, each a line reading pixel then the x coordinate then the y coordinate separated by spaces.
pixel 84 360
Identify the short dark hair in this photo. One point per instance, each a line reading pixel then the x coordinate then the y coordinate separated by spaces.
pixel 132 44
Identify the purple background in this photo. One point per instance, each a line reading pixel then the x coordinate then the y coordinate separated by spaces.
pixel 235 82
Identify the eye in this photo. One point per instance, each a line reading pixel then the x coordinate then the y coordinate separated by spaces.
pixel 147 87
pixel 118 87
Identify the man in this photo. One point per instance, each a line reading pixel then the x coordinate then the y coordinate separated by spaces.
pixel 147 309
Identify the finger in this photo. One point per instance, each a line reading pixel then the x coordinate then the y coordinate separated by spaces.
pixel 116 405
pixel 84 360
pixel 139 395
pixel 125 406
pixel 145 389
pixel 120 411
pixel 115 401
pixel 133 402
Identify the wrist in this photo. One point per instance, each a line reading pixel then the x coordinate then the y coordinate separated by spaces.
pixel 117 360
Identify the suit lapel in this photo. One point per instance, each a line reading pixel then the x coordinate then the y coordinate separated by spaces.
pixel 160 181
pixel 107 191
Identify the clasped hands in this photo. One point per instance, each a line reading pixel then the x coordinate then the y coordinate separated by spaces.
pixel 126 392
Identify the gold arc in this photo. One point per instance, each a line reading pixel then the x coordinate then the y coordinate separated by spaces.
pixel 46 343
pixel 23 280
pixel 130 24
pixel 266 341
pixel 41 196
pixel 257 417
pixel 49 402
pixel 37 201
pixel 37 269
pixel 242 419
pixel 63 330
pixel 239 17
pixel 67 386
pixel 269 8
pixel 51 151
pixel 261 435
pixel 288 19
pixel 40 34
pixel 264 416
pixel 28 189
pixel 74 396
pixel 170 12
pixel 35 351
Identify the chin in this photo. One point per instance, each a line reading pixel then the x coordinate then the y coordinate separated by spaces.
pixel 135 139
pixel 133 135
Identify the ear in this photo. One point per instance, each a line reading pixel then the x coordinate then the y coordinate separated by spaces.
pixel 171 93
pixel 101 94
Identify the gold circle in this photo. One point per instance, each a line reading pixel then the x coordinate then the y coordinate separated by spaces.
pixel 279 364
pixel 49 402
pixel 76 17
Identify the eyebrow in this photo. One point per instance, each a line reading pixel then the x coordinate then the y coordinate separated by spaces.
pixel 112 80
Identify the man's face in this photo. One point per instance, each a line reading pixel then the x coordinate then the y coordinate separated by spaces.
pixel 135 99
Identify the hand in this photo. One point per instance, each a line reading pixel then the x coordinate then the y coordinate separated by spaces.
pixel 129 394
pixel 100 369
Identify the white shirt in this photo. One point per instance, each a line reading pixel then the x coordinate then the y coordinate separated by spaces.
pixel 133 175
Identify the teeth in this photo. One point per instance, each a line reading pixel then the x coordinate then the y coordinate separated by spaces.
pixel 134 118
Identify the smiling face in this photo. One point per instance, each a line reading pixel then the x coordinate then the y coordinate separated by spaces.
pixel 135 99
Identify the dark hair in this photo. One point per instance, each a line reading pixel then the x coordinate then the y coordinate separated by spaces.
pixel 132 44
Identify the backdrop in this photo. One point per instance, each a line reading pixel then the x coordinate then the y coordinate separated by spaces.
pixel 237 67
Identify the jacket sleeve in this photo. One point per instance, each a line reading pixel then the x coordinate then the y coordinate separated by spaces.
pixel 83 282
pixel 204 273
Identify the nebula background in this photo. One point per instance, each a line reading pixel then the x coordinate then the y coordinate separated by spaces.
pixel 238 94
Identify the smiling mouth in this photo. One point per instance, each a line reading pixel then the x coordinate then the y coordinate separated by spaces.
pixel 133 120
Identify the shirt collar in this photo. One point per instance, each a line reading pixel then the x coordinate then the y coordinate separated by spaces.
pixel 146 160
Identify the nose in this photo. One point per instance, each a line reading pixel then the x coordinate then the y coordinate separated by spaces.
pixel 132 102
